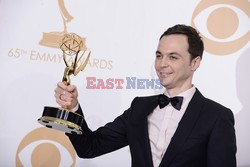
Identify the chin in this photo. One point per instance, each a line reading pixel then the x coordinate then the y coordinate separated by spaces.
pixel 165 84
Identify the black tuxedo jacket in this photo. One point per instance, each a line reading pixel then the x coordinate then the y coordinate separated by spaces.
pixel 205 136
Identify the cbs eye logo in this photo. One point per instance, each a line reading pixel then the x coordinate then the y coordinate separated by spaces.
pixel 223 24
pixel 45 147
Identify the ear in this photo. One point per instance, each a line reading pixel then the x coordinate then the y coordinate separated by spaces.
pixel 195 63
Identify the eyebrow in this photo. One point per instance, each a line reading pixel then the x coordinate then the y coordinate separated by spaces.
pixel 157 52
pixel 171 53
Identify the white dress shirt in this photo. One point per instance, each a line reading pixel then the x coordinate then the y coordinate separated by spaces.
pixel 162 124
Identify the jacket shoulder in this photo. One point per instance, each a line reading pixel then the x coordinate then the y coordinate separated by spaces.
pixel 213 107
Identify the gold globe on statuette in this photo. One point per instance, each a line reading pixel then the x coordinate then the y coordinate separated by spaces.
pixel 73 48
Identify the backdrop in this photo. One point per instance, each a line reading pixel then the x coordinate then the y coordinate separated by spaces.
pixel 123 37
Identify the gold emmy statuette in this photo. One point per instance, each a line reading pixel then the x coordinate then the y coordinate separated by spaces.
pixel 61 118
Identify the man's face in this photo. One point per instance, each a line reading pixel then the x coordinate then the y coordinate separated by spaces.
pixel 173 63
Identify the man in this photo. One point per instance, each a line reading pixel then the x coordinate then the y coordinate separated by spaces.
pixel 186 130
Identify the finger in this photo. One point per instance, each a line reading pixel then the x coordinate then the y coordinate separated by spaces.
pixel 59 92
pixel 71 88
pixel 65 104
pixel 72 91
pixel 62 85
pixel 61 88
pixel 62 103
pixel 57 96
pixel 66 96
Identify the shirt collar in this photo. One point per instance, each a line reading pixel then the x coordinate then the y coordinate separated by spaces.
pixel 187 95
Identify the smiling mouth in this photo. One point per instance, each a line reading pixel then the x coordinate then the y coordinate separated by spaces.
pixel 164 74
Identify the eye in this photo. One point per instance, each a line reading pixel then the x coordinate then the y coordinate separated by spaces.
pixel 38 154
pixel 158 56
pixel 172 57
pixel 224 27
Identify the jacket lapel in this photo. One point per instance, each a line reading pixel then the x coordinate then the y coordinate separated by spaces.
pixel 184 128
pixel 149 108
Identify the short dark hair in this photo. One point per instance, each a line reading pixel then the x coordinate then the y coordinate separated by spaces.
pixel 196 46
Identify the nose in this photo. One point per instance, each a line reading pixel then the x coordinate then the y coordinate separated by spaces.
pixel 164 62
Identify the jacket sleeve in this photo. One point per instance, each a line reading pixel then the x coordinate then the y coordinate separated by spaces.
pixel 222 141
pixel 105 139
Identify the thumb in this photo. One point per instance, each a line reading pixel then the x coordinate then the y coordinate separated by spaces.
pixel 71 88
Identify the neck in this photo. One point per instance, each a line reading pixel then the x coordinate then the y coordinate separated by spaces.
pixel 177 90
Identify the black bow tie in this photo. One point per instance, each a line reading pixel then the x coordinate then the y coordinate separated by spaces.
pixel 175 101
